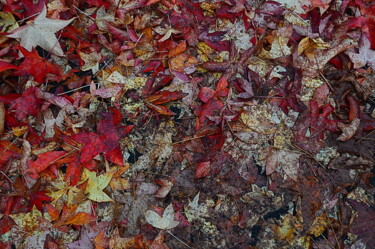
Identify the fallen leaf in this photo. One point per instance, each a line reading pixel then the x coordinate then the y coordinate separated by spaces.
pixel 41 32
pixel 96 184
pixel 348 130
pixel 162 222
pixel 365 56
pixel 202 169
pixel 80 218
pixel 2 118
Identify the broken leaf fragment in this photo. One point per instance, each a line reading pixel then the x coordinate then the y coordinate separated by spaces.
pixel 162 222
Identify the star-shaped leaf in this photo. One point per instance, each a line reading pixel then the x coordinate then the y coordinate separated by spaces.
pixel 365 56
pixel 96 184
pixel 162 222
pixel 41 32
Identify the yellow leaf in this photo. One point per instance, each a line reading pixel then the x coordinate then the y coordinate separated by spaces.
pixel 96 184
pixel 7 24
pixel 285 231
pixel 279 48
pixel 303 45
pixel 319 225
pixel 28 221
pixel 19 130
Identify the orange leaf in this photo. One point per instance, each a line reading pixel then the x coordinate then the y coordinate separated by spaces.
pixel 52 211
pixel 161 109
pixel 180 48
pixel 80 218
pixel 223 83
pixel 100 241
pixel 164 97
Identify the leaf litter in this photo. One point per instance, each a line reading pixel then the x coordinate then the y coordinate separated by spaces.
pixel 174 123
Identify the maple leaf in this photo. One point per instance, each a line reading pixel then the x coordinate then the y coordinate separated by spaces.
pixel 365 56
pixel 36 66
pixel 5 66
pixel 162 222
pixel 41 32
pixel 96 184
pixel 27 104
pixel 45 160
pixel 80 218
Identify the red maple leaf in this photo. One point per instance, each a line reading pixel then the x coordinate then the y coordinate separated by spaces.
pixel 27 104
pixel 37 66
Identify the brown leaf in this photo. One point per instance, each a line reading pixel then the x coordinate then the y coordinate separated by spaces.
pixel 348 130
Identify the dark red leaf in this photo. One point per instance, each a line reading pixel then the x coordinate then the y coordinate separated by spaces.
pixel 205 94
pixel 202 169
pixel 6 66
pixel 6 224
pixel 36 66
pixel 354 107
pixel 27 104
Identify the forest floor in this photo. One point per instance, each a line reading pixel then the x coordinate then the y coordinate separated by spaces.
pixel 187 124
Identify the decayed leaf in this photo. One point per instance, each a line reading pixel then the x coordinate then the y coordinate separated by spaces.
pixel 319 225
pixel 365 56
pixel 312 67
pixel 91 61
pixel 41 32
pixel 2 118
pixel 162 222
pixel 349 130
pixel 279 45
pixel 28 221
pixel 297 6
pixel 96 184
pixel 287 160
pixel 307 46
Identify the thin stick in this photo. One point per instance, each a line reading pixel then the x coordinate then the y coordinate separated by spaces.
pixel 28 17
pixel 84 13
pixel 189 139
pixel 179 239
pixel 6 177
pixel 365 137
pixel 73 90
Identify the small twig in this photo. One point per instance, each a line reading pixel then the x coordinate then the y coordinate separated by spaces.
pixel 328 241
pixel 147 172
pixel 334 233
pixel 362 138
pixel 138 40
pixel 10 182
pixel 193 138
pixel 308 154
pixel 75 89
pixel 80 11
pixel 13 142
pixel 325 80
pixel 179 239
pixel 106 63
pixel 26 18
